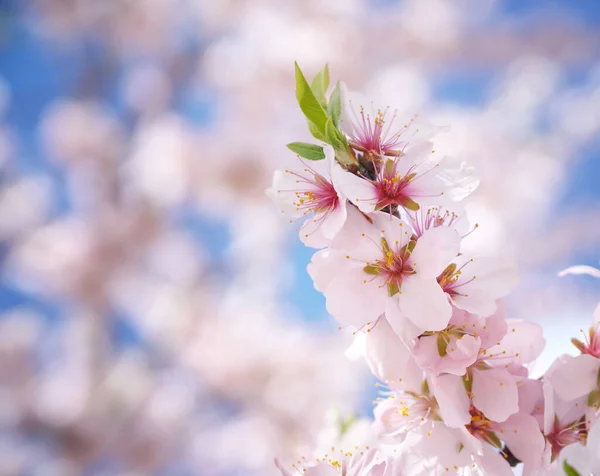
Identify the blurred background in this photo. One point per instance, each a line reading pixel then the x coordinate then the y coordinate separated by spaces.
pixel 156 317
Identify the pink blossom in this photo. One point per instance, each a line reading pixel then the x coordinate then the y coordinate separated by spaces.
pixel 371 129
pixel 463 339
pixel 310 192
pixel 585 459
pixel 450 214
pixel 389 272
pixel 354 462
pixel 416 178
pixel 474 284
pixel 575 377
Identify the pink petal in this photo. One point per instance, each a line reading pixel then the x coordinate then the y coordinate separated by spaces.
pixel 495 393
pixel 386 354
pixel 448 446
pixel 522 435
pixel 576 377
pixel 403 328
pixel 321 469
pixel 523 342
pixel 311 233
pixel 434 251
pixel 496 277
pixel 353 301
pixel 453 400
pixel 335 220
pixel 359 191
pixel 424 303
pixel 493 463
pixel 324 266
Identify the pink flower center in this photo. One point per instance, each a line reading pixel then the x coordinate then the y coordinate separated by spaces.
pixel 482 428
pixel 422 220
pixel 315 193
pixel 369 132
pixel 591 346
pixel 563 436
pixel 391 186
pixel 393 266
pixel 452 279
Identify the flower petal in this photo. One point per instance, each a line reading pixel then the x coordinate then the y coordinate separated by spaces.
pixel 522 435
pixel 424 303
pixel 386 354
pixel 453 400
pixel 495 393
pixel 358 190
pixel 353 301
pixel 434 251
pixel 576 377
pixel 404 329
pixel 523 342
pixel 324 266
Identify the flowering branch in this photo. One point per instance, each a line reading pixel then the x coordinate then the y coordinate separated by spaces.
pixel 385 213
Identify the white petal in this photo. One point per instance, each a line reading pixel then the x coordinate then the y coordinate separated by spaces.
pixel 403 328
pixel 434 251
pixel 334 221
pixel 311 233
pixel 523 342
pixel 576 377
pixel 476 303
pixel 352 301
pixel 495 393
pixel 358 190
pixel 492 463
pixel 385 353
pixel 321 469
pixel 452 399
pixel 424 303
pixel 522 435
pixel 324 266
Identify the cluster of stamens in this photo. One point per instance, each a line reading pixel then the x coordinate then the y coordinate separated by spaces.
pixel 393 266
pixel 591 344
pixel 370 135
pixel 450 279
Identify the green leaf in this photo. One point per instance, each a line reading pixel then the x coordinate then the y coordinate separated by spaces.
pixel 334 108
pixel 569 470
pixel 333 135
pixel 425 387
pixel 442 345
pixel 308 151
pixel 316 133
pixel 308 102
pixel 320 84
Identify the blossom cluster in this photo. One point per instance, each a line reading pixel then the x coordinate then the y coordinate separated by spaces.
pixel 387 217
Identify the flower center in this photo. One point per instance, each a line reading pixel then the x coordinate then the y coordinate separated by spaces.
pixel 370 134
pixel 318 195
pixel 560 437
pixel 591 346
pixel 481 428
pixel 393 266
pixel 450 279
